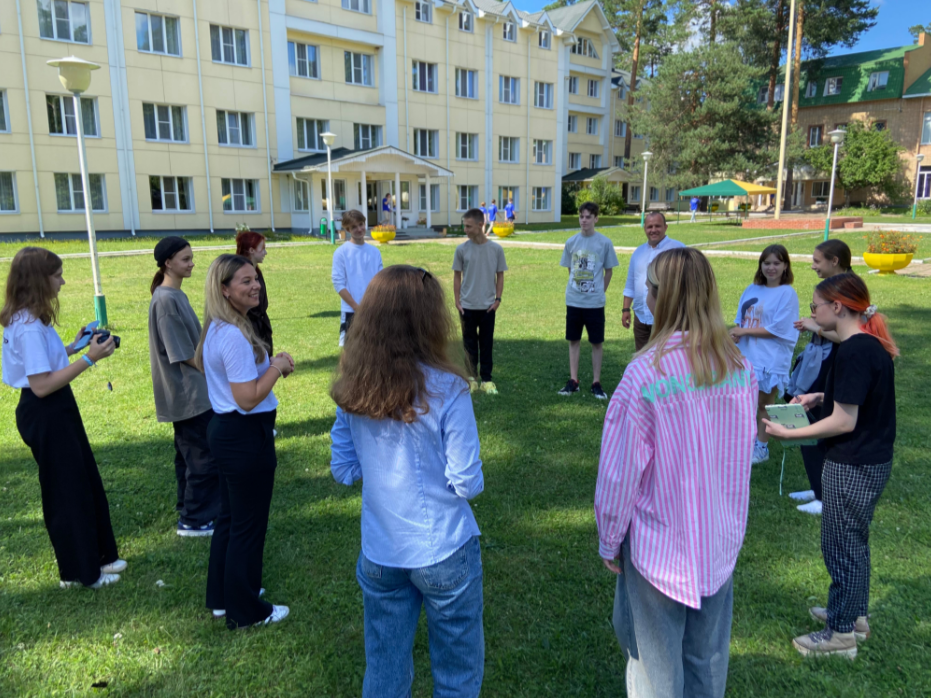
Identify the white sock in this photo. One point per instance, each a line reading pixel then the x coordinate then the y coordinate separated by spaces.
pixel 762 445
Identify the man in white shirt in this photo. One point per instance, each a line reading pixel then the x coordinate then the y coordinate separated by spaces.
pixel 354 264
pixel 635 288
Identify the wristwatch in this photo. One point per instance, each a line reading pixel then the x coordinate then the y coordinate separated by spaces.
pixel 625 310
pixel 498 300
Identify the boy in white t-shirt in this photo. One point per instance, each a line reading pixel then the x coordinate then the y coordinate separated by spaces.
pixel 355 263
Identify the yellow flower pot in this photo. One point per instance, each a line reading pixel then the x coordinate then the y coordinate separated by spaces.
pixel 383 236
pixel 887 263
pixel 502 231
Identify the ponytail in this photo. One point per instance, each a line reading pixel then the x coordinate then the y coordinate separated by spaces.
pixel 157 280
pixel 836 249
pixel 849 290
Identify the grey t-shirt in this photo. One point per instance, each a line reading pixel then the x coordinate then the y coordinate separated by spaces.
pixel 479 264
pixel 586 258
pixel 174 330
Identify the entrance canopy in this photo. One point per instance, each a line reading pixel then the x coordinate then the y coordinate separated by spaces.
pixel 615 175
pixel 385 159
pixel 729 187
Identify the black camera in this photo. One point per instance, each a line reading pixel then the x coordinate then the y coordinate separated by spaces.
pixel 104 335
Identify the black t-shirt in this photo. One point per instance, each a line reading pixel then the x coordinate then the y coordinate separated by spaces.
pixel 862 374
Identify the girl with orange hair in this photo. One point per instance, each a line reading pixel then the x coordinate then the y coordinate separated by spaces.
pixel 251 245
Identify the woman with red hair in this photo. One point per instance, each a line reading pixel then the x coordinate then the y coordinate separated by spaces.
pixel 251 245
pixel 858 432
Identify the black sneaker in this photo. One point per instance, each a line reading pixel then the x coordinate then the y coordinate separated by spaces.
pixel 598 392
pixel 571 387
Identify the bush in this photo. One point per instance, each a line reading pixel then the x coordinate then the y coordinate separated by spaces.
pixel 891 242
pixel 608 196
pixel 924 207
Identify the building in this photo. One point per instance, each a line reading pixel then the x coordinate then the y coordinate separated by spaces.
pixel 210 113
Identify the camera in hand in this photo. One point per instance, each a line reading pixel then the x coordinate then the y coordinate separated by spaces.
pixel 103 335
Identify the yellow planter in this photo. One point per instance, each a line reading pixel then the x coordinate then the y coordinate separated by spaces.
pixel 383 236
pixel 887 263
pixel 502 231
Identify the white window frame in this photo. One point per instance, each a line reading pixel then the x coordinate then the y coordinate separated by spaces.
pixel 5 126
pixel 633 194
pixel 541 199
pixel 584 47
pixel 434 200
pixel 178 183
pixel 812 132
pixel 15 209
pixel 62 111
pixel 429 138
pixel 545 39
pixel 811 90
pixel 469 143
pixel 620 128
pixel 833 86
pixel 594 88
pixel 150 35
pixel 878 80
pixel 240 54
pixel 543 95
pixel 228 187
pixel 778 93
pixel 512 91
pixel 75 186
pixel 573 123
pixel 423 11
pixel 320 127
pixel 365 68
pixel 619 162
pixel 542 152
pixel 509 32
pixel 591 126
pixel 573 85
pixel 362 6
pixel 471 80
pixel 300 196
pixel 172 120
pixel 509 146
pixel 654 194
pixel 425 75
pixel 926 129
pixel 594 161
pixel 339 185
pixel 825 190
pixel 70 19
pixel 466 22
pixel 575 161
pixel 250 117
pixel 509 192
pixel 670 194
pixel 467 196
pixel 294 60
pixel 366 133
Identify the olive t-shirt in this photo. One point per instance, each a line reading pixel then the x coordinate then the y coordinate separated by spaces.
pixel 862 374
pixel 174 330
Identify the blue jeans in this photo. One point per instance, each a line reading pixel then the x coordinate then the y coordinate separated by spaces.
pixel 672 650
pixel 451 591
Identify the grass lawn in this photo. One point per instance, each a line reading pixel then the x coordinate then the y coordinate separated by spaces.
pixel 630 236
pixel 570 222
pixel 856 240
pixel 548 599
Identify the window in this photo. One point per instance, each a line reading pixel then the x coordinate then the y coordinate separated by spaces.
pixel 466 83
pixel 634 193
pixel 670 194
pixel 64 21
pixel 426 143
pixel 593 88
pixel 654 194
pixel 163 123
pixel 778 93
pixel 228 45
pixel 762 95
pixel 542 152
pixel 171 194
pixel 619 162
pixel 405 195
pixel 508 149
pixel 573 86
pixel 879 125
pixel 926 129
pixel 584 47
pixel 303 61
pixel 158 34
pixel 424 76
pixel 815 135
pixel 543 95
pixel 70 193
pixel 365 136
pixel 4 110
pixel 358 69
pixel 621 92
pixel 594 161
pixel 301 196
pixel 62 120
pixel 423 11
pixel 591 126
pixel 508 90
pixel 510 32
pixel 240 195
pixel 309 134
pixel 820 190
pixel 833 86
pixel 543 40
pixel 234 128
pixel 924 182
pixel 812 89
pixel 468 196
pixel 638 135
pixel 466 22
pixel 434 197
pixel 364 6
pixel 620 129
pixel 878 81
pixel 573 123
pixel 541 199
pixel 575 161
pixel 467 146
pixel 505 193
pixel 842 126
pixel 8 202
pixel 339 195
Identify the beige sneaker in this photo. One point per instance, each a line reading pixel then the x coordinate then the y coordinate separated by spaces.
pixel 489 388
pixel 861 630
pixel 473 385
pixel 826 642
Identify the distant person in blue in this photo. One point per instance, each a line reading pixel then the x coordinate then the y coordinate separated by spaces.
pixel 492 216
pixel 484 209
pixel 693 207
pixel 406 428
pixel 509 210
pixel 386 209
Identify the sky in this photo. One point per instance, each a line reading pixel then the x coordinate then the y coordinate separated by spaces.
pixel 895 17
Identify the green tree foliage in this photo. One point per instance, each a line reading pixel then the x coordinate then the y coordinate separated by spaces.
pixel 919 29
pixel 608 196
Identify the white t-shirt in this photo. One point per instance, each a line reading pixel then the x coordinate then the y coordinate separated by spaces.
pixel 353 268
pixel 30 348
pixel 228 358
pixel 636 285
pixel 774 309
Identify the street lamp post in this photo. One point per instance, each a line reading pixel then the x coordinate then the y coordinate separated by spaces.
pixel 837 138
pixel 328 140
pixel 918 159
pixel 643 203
pixel 75 76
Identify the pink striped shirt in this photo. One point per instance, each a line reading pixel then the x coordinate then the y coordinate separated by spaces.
pixel 675 473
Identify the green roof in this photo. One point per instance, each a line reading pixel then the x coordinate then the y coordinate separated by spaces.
pixel 567 17
pixel 855 70
pixel 921 87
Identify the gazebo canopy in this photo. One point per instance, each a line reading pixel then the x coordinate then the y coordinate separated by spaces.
pixel 729 187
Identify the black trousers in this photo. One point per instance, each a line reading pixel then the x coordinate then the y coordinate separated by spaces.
pixel 74 504
pixel 813 457
pixel 243 447
pixel 196 472
pixel 478 336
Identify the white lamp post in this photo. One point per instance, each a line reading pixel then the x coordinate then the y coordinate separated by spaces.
pixel 918 159
pixel 643 204
pixel 328 140
pixel 837 138
pixel 75 76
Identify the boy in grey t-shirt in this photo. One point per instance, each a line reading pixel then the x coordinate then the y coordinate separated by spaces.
pixel 478 282
pixel 590 258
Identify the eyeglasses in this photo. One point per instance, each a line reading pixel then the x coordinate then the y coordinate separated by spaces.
pixel 814 306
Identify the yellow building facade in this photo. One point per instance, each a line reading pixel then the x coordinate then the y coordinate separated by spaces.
pixel 208 114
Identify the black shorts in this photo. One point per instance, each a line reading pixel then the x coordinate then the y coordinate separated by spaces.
pixel 346 323
pixel 592 319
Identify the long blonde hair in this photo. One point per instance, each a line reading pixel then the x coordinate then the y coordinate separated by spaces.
pixel 218 309
pixel 687 300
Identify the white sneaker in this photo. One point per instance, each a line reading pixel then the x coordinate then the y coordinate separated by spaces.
pixel 279 613
pixel 805 496
pixel 114 567
pixel 760 453
pixel 221 613
pixel 103 581
pixel 813 507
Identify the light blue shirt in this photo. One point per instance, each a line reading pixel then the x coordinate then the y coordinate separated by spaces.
pixel 636 285
pixel 416 478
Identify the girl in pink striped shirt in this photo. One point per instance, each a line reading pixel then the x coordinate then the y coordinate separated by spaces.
pixel 674 485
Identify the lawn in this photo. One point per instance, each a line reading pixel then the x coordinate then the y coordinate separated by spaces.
pixel 632 236
pixel 548 599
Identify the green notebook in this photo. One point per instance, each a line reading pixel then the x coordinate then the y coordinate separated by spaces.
pixel 791 417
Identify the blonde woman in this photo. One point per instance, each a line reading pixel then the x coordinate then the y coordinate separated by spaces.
pixel 674 485
pixel 240 378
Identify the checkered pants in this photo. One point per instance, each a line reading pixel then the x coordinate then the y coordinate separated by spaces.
pixel 850 496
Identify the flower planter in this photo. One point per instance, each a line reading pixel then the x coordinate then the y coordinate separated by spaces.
pixel 887 263
pixel 503 230
pixel 383 233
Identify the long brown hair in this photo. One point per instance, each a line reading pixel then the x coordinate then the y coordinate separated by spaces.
pixel 402 326
pixel 28 286
pixel 850 291
pixel 782 254
pixel 836 249
pixel 687 300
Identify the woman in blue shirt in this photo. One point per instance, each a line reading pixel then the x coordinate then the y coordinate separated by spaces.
pixel 406 428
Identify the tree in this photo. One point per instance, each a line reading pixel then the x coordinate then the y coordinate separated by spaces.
pixel 608 196
pixel 918 30
pixel 868 159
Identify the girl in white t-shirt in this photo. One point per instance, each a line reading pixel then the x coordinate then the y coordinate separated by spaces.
pixel 766 333
pixel 35 361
